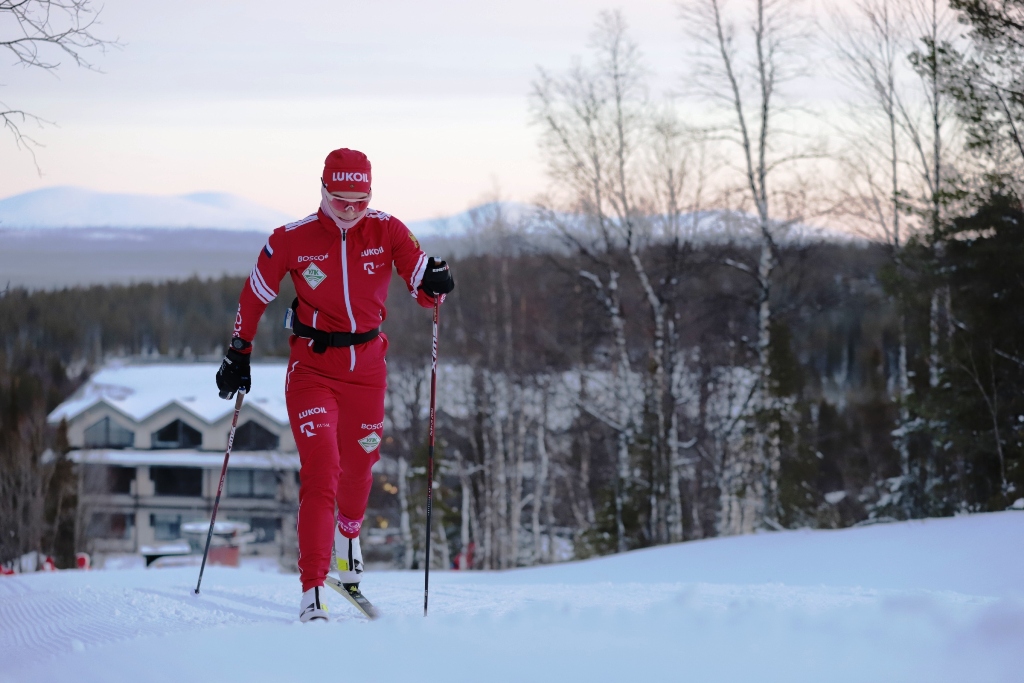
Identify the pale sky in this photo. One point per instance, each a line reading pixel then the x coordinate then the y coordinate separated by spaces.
pixel 248 97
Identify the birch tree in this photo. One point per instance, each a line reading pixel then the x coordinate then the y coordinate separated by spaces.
pixel 932 132
pixel 935 139
pixel 634 171
pixel 469 526
pixel 677 175
pixel 744 85
pixel 592 121
pixel 540 488
pixel 898 56
pixel 872 47
pixel 405 408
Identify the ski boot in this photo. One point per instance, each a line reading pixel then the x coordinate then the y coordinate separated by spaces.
pixel 312 607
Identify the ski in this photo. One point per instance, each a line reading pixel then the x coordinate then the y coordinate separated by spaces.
pixel 352 594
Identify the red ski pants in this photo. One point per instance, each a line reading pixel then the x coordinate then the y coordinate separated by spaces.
pixel 337 419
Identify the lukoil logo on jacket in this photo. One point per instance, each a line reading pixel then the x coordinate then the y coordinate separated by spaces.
pixel 319 410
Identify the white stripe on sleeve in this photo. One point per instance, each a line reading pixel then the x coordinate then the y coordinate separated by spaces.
pixel 417 273
pixel 254 286
pixel 267 289
pixel 259 287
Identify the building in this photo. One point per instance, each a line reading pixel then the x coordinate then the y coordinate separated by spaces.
pixel 149 440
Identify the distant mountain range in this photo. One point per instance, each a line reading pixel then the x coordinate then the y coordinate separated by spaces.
pixel 61 208
pixel 65 236
pixel 74 207
pixel 464 221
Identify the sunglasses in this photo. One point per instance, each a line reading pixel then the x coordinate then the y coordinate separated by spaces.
pixel 341 205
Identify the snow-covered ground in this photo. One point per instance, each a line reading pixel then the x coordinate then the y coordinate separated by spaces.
pixel 927 601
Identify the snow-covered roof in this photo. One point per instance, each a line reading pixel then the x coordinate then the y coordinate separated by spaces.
pixel 258 460
pixel 140 390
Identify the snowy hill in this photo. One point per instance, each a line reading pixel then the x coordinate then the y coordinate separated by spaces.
pixel 74 207
pixel 463 222
pixel 466 233
pixel 928 601
pixel 66 237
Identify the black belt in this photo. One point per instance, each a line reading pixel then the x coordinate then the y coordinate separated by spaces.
pixel 322 339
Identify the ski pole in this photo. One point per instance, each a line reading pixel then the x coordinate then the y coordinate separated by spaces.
pixel 220 486
pixel 430 450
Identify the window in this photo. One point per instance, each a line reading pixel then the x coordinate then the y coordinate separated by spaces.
pixel 107 479
pixel 254 437
pixel 252 483
pixel 177 481
pixel 265 528
pixel 165 527
pixel 108 434
pixel 116 525
pixel 177 435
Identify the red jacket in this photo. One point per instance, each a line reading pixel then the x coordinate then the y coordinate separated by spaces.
pixel 341 276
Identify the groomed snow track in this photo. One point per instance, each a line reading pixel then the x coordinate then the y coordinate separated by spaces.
pixel 933 601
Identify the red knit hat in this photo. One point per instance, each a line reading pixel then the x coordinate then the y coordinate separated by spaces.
pixel 346 170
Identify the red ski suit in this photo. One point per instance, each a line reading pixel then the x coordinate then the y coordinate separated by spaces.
pixel 335 399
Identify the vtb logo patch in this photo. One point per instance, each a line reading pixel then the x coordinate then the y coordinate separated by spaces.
pixel 370 442
pixel 313 276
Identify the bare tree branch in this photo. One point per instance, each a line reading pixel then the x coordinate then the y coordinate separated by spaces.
pixel 40 32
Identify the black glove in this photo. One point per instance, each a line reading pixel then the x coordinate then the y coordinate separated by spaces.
pixel 234 371
pixel 437 279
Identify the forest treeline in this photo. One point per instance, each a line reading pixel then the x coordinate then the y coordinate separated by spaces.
pixel 520 322
pixel 662 350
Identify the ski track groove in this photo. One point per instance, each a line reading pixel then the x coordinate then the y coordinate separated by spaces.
pixel 901 603
pixel 94 618
pixel 68 621
pixel 12 585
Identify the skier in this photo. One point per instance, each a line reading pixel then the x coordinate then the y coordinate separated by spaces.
pixel 340 259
